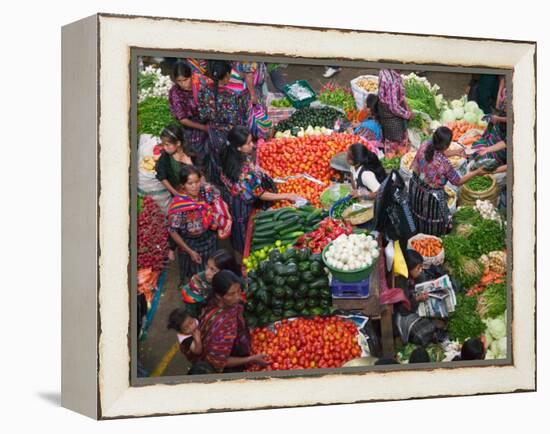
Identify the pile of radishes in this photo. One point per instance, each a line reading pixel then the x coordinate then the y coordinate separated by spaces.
pixel 352 252
pixel 152 237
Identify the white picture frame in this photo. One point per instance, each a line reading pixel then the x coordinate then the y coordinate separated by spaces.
pixel 96 136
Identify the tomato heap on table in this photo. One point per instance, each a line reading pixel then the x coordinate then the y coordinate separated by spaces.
pixel 304 343
pixel 311 155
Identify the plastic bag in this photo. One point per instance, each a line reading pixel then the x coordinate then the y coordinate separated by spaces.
pixel 390 254
pixel 399 263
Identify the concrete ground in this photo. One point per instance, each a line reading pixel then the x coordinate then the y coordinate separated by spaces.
pixel 157 352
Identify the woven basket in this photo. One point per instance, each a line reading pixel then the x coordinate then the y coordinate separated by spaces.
pixel 468 197
pixel 428 260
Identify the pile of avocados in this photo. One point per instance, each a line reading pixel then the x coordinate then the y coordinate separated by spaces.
pixel 287 285
pixel 315 117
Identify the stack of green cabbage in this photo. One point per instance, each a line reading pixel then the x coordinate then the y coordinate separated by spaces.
pixel 462 109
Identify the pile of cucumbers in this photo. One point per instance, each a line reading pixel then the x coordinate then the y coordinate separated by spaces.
pixel 285 225
pixel 287 285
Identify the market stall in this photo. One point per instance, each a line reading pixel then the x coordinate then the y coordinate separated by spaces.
pixel 315 275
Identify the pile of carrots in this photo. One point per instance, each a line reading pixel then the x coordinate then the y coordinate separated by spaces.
pixel 459 128
pixel 489 277
pixel 427 247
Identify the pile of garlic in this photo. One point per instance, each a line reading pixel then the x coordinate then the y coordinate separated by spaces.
pixel 352 252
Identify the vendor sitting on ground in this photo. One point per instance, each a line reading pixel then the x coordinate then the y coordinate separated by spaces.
pixel 431 171
pixel 225 336
pixel 199 288
pixel 370 128
pixel 367 172
pixel 411 327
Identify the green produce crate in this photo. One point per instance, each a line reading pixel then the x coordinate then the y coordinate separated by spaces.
pixel 300 103
pixel 349 276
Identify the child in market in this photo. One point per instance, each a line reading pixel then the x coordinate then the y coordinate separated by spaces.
pixel 199 288
pixel 188 332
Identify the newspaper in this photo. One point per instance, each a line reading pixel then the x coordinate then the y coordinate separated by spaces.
pixel 441 298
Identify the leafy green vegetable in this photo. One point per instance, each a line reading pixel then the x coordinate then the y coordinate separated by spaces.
pixel 465 322
pixel 420 97
pixel 417 122
pixel 487 236
pixel 154 115
pixel 337 97
pixel 467 215
pixel 146 80
pixel 460 261
pixel 495 295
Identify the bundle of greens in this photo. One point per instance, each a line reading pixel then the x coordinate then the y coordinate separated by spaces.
pixel 495 300
pixel 419 97
pixel 154 115
pixel 465 322
pixel 459 261
pixel 486 236
pixel 467 215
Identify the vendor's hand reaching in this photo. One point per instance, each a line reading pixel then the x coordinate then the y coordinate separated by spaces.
pixel 259 359
pixel 195 257
pixel 293 197
pixel 481 171
pixel 482 152
pixel 355 194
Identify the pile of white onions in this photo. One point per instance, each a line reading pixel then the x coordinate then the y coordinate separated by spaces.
pixel 487 210
pixel 352 252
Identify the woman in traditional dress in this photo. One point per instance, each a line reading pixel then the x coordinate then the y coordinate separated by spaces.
pixel 393 112
pixel 192 222
pixel 245 182
pixel 184 108
pixel 225 337
pixel 221 108
pixel 370 129
pixel 367 172
pixel 431 171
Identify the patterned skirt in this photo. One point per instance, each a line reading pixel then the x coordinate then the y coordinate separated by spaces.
pixel 240 212
pixel 429 207
pixel 205 245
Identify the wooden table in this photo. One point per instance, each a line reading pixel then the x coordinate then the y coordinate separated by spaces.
pixel 372 308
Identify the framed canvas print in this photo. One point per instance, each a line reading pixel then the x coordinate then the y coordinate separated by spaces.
pixel 261 216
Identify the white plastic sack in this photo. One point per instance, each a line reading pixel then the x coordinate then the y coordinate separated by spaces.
pixel 359 94
pixel 148 184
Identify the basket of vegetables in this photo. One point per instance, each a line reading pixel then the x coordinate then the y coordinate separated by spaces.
pixel 333 194
pixel 352 210
pixel 479 188
pixel 351 258
pixel 430 247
